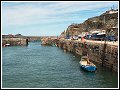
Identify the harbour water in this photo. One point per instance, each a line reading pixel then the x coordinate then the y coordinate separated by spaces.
pixel 37 66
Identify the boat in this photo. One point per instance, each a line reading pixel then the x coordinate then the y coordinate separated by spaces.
pixel 85 64
pixel 7 44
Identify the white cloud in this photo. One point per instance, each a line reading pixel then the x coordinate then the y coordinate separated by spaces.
pixel 41 13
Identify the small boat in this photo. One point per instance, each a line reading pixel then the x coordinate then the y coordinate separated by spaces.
pixel 7 45
pixel 85 64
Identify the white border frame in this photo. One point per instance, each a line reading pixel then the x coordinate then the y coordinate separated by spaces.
pixel 60 88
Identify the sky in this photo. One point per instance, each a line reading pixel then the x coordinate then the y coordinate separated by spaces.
pixel 48 18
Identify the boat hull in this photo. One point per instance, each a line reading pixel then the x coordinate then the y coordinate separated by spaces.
pixel 88 68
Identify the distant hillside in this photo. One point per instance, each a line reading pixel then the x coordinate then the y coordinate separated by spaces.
pixel 105 20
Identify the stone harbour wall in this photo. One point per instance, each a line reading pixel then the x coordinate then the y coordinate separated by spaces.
pixel 14 41
pixel 104 54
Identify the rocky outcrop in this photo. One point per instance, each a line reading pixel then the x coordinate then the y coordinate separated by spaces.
pixel 104 21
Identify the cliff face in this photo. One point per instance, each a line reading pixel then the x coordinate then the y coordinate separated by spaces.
pixel 104 21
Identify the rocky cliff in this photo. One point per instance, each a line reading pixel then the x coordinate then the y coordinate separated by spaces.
pixel 102 22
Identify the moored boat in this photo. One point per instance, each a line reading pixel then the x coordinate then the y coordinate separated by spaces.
pixel 6 45
pixel 85 64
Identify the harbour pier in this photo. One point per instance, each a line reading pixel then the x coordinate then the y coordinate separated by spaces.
pixel 14 42
pixel 102 52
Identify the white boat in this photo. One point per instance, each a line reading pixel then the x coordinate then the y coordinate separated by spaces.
pixel 85 64
pixel 7 44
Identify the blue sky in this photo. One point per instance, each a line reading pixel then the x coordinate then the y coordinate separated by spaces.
pixel 48 18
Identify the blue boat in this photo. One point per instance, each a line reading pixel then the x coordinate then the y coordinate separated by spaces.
pixel 85 64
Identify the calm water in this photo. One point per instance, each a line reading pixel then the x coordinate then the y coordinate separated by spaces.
pixel 39 66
